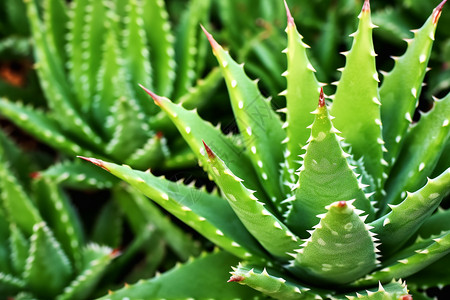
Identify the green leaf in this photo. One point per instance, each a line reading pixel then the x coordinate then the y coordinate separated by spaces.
pixel 78 175
pixel 60 216
pixel 5 261
pixel 48 269
pixel 96 260
pixel 56 20
pixel 411 260
pixel 271 284
pixel 10 284
pixel 273 235
pixel 194 130
pixel 356 104
pixel 436 223
pixel 136 54
pixel 435 274
pixel 200 278
pixel 340 249
pixel 396 227
pixel 142 213
pixel 157 28
pixel 18 206
pixel 325 176
pixel 401 88
pixel 391 291
pixel 40 125
pixel 420 153
pixel 108 227
pixel 187 44
pixel 258 124
pixel 301 96
pixel 19 246
pixel 193 206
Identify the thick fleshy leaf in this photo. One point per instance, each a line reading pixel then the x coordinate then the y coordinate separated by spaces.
pixel 136 52
pixel 190 280
pixel 395 228
pixel 19 246
pixel 46 264
pixel 301 95
pixel 195 207
pixel 271 232
pixel 420 153
pixel 356 105
pixel 142 213
pixel 435 274
pixel 195 130
pixel 341 248
pixel 411 260
pixel 18 205
pixel 10 284
pixel 272 284
pixel 41 126
pixel 157 28
pixel 258 124
pixel 187 44
pixel 95 261
pixel 60 215
pixel 391 291
pixel 75 174
pixel 401 88
pixel 325 176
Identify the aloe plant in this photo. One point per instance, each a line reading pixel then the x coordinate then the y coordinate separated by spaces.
pixel 43 253
pixel 48 252
pixel 335 202
pixel 90 55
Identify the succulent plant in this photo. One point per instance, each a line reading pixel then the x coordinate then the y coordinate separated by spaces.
pixel 48 252
pixel 43 254
pixel 90 55
pixel 335 202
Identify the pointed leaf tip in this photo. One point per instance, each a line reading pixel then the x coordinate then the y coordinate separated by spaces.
pixel 366 6
pixel 35 175
pixel 321 98
pixel 155 97
pixel 290 19
pixel 211 154
pixel 115 253
pixel 406 297
pixel 437 12
pixel 236 278
pixel 95 161
pixel 211 39
pixel 159 135
pixel 342 204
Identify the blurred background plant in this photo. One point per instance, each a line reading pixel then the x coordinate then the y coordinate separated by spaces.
pixel 50 251
pixel 17 78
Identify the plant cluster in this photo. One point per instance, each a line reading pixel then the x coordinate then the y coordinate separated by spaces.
pixel 310 196
pixel 330 203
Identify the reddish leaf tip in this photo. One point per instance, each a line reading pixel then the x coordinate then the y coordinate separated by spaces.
pixel 290 19
pixel 366 6
pixel 342 204
pixel 211 39
pixel 211 154
pixel 35 175
pixel 95 161
pixel 155 97
pixel 437 12
pixel 406 297
pixel 321 98
pixel 236 278
pixel 159 135
pixel 116 252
